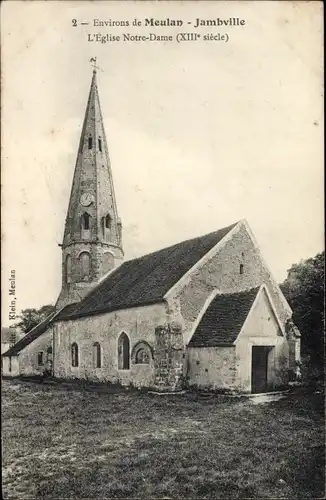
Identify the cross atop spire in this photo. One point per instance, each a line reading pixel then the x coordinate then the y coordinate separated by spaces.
pixel 93 63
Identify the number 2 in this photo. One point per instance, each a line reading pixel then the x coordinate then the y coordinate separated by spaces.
pixel 74 22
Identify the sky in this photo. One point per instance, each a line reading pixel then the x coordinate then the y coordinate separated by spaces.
pixel 200 134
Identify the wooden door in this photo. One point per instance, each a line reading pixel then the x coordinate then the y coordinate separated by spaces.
pixel 259 361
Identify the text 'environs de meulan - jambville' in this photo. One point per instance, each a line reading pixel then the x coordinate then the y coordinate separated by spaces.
pixel 168 22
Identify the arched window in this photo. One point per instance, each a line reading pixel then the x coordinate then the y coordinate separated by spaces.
pixel 100 144
pixel 123 352
pixel 97 361
pixel 90 143
pixel 85 221
pixel 68 269
pixel 142 356
pixel 107 221
pixel 74 355
pixel 241 268
pixel 119 227
pixel 142 353
pixel 49 354
pixel 40 358
pixel 85 265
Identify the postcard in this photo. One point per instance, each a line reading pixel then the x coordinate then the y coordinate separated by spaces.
pixel 162 249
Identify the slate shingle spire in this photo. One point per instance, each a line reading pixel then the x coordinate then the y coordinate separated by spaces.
pixel 92 243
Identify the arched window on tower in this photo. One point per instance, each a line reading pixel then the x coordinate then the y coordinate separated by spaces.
pixel 119 227
pixel 97 361
pixel 241 269
pixel 90 143
pixel 74 355
pixel 85 266
pixel 68 269
pixel 123 352
pixel 108 221
pixel 85 221
pixel 100 144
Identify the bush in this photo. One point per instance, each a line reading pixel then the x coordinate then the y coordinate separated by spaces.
pixel 312 374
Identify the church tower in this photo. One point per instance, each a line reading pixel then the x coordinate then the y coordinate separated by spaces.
pixel 92 242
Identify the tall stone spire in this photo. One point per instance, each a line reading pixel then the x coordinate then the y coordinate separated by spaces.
pixel 92 243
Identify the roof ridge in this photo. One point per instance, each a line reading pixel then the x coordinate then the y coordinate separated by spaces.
pixel 189 240
pixel 247 290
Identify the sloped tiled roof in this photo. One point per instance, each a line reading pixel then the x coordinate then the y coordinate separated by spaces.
pixel 66 310
pixel 223 319
pixel 30 336
pixel 144 280
pixel 36 332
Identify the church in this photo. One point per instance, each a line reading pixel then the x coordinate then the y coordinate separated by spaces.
pixel 203 313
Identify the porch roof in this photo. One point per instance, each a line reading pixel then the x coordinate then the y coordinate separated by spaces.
pixel 223 319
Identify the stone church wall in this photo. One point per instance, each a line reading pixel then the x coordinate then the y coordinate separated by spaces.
pixel 138 323
pixel 211 367
pixel 10 366
pixel 222 272
pixel 28 357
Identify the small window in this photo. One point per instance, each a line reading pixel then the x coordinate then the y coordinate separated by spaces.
pixel 40 359
pixel 10 366
pixel 85 266
pixel 142 357
pixel 241 268
pixel 85 221
pixel 74 355
pixel 108 221
pixel 68 269
pixel 97 355
pixel 49 350
pixel 90 143
pixel 100 145
pixel 123 352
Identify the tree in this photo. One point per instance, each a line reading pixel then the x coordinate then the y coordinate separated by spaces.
pixel 304 290
pixel 32 317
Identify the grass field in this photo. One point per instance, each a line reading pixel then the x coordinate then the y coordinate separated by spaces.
pixel 66 441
